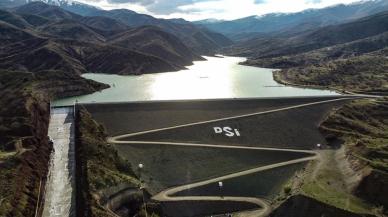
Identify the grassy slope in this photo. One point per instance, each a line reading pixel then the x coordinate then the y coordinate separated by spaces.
pixel 354 177
pixel 367 73
pixel 328 185
pixel 102 167
pixel 362 126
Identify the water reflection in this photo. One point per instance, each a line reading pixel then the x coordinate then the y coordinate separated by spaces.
pixel 215 78
pixel 210 79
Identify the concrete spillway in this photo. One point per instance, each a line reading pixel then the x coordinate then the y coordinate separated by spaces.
pixel 60 187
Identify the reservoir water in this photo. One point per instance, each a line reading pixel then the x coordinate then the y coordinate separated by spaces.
pixel 211 79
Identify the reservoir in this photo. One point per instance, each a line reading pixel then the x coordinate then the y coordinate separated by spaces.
pixel 212 79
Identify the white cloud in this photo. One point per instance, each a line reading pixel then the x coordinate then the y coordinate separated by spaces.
pixel 106 5
pixel 219 9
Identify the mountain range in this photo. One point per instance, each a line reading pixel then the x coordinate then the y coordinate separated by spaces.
pixel 351 56
pixel 82 38
pixel 198 38
pixel 249 27
pixel 286 43
pixel 71 42
pixel 46 45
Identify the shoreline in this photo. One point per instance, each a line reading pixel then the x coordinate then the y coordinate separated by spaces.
pixel 278 78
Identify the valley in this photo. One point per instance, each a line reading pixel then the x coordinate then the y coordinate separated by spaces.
pixel 346 57
pixel 280 114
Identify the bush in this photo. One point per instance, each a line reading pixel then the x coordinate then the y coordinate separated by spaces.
pixel 287 189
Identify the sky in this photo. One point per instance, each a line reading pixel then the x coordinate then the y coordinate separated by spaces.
pixel 212 9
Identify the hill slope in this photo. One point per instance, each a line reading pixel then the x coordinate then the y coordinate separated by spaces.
pixel 70 29
pixel 66 41
pixel 104 23
pixel 300 21
pixel 201 40
pixel 284 44
pixel 45 10
pixel 154 41
pixel 351 56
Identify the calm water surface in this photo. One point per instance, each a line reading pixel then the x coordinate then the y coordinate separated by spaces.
pixel 215 78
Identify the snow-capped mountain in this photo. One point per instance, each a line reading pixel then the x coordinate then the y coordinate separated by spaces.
pixel 69 5
pixel 208 21
pixel 310 18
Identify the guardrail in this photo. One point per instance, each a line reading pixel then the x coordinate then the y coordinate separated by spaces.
pixel 38 201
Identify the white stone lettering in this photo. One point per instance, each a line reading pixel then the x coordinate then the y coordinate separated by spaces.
pixel 217 130
pixel 227 131
pixel 237 132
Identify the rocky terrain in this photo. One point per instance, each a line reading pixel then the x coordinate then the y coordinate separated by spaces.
pixel 66 42
pixel 351 56
pixel 24 146
pixel 106 183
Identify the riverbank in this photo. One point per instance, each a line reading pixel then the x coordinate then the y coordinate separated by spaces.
pixel 308 78
pixel 281 78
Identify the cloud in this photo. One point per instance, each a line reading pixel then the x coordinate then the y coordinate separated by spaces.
pixel 314 1
pixel 159 7
pixel 165 7
pixel 218 9
pixel 140 2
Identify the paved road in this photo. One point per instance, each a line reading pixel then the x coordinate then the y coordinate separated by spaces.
pixel 166 195
pixel 59 196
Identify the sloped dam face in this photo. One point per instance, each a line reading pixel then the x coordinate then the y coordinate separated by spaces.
pixel 252 146
pixel 59 190
pixel 239 90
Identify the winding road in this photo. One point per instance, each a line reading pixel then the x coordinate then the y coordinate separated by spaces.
pixel 167 195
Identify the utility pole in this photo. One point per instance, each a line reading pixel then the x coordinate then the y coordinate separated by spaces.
pixel 220 185
pixel 140 167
